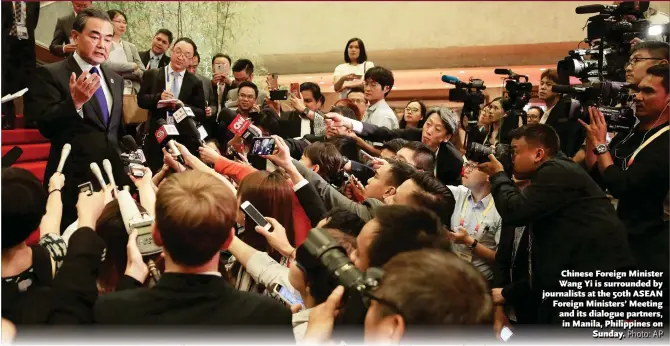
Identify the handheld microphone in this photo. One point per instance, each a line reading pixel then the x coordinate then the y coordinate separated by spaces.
pixel 134 219
pixel 251 132
pixel 11 156
pixel 107 166
pixel 451 80
pixel 63 157
pixel 96 171
pixel 176 151
pixel 239 125
pixel 155 273
pixel 165 132
pixel 186 123
pixel 133 159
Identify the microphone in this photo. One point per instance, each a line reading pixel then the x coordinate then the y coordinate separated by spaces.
pixel 63 157
pixel 451 80
pixel 239 125
pixel 133 159
pixel 107 166
pixel 475 83
pixel 11 156
pixel 96 171
pixel 165 133
pixel 175 151
pixel 184 118
pixel 133 219
pixel 590 9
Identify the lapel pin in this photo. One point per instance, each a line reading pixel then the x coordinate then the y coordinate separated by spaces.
pixel 112 81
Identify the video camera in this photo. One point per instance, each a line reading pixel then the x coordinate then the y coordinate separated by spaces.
pixel 606 96
pixel 326 264
pixel 472 97
pixel 519 92
pixel 609 34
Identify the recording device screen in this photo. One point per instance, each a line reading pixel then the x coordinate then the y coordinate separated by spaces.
pixel 255 215
pixel 87 188
pixel 286 295
pixel 262 146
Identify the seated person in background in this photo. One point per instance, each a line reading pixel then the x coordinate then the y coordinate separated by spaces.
pixel 420 288
pixel 243 71
pixel 357 96
pixel 195 219
pixel 413 115
pixel 378 84
pixel 475 222
pixel 418 155
pixel 440 126
pixel 390 148
pixel 534 113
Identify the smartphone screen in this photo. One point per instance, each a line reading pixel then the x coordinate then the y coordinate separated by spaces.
pixel 367 156
pixel 286 295
pixel 255 215
pixel 506 333
pixel 262 146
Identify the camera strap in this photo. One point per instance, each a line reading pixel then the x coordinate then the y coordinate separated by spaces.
pixel 647 142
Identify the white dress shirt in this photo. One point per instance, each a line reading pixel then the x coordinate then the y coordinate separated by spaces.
pixel 169 77
pixel 86 67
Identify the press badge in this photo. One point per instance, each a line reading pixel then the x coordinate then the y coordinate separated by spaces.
pixel 22 32
pixel 465 254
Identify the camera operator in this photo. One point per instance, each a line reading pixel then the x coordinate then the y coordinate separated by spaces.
pixel 571 135
pixel 634 169
pixel 573 225
pixel 643 56
pixel 418 289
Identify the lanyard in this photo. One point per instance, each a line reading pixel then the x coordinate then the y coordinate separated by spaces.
pixel 22 18
pixel 645 143
pixel 481 217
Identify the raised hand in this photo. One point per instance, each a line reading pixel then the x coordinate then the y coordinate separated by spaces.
pixel 208 155
pixel 83 88
pixel 56 182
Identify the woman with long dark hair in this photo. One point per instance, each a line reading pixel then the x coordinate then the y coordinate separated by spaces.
pixel 414 116
pixel 350 74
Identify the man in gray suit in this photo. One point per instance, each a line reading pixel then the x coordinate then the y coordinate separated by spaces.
pixel 61 45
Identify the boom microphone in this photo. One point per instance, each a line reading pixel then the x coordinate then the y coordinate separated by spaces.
pixel 107 166
pixel 590 9
pixel 475 83
pixel 63 157
pixel 96 171
pixel 451 79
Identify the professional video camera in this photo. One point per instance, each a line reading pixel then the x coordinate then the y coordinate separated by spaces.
pixel 606 96
pixel 609 34
pixel 327 265
pixel 519 92
pixel 472 97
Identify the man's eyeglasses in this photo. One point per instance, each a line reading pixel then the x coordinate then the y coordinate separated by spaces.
pixel 469 166
pixel 393 307
pixel 636 60
pixel 185 55
pixel 371 84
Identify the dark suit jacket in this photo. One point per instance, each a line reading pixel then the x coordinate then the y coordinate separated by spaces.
pixel 62 34
pixel 32 16
pixel 191 94
pixel 289 124
pixel 573 224
pixel 72 293
pixel 570 132
pixel 50 104
pixel 192 299
pixel 449 160
pixel 165 59
pixel 310 200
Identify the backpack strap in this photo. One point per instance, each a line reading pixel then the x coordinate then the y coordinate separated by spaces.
pixel 42 265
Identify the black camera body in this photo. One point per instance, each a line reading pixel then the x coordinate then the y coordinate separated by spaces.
pixel 470 94
pixel 519 93
pixel 480 153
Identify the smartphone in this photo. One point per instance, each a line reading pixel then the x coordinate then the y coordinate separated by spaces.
pixel 219 68
pixel 86 187
pixel 278 95
pixel 367 156
pixel 262 146
pixel 274 81
pixel 255 215
pixel 285 295
pixel 505 334
pixel 295 89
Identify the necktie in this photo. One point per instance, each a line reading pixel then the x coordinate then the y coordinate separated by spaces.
pixel 154 62
pixel 100 96
pixel 175 86
pixel 17 18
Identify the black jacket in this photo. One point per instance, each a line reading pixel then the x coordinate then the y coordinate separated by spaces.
pixel 61 36
pixel 145 56
pixel 191 94
pixel 449 163
pixel 570 132
pixel 573 224
pixel 192 299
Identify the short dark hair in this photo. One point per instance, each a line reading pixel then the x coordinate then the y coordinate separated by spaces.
pixel 314 88
pixel 394 145
pixel 405 228
pixel 24 202
pixel 189 41
pixel 660 70
pixel 344 111
pixel 539 134
pixel 381 75
pixel 197 55
pixel 433 196
pixel 433 287
pixel 403 122
pixel 195 213
pixel 167 33
pixel 424 158
pixel 327 157
pixel 447 116
pixel 362 55
pixel 356 90
pixel 221 55
pixel 243 65
pixel 83 16
pixel 657 49
pixel 248 84
pixel 347 103
pixel 551 74
pixel 345 221
pixel 400 172
pixel 114 13
pixel 346 145
pixel 538 108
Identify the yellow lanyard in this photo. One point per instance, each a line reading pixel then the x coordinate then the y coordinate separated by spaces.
pixel 481 217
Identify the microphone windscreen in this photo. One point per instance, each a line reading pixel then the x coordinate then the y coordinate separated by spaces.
pixel 450 79
pixel 11 156
pixel 129 142
pixel 561 89
pixel 161 122
pixel 589 9
pixel 502 71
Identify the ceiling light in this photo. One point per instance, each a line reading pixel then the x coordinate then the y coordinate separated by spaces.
pixel 461 71
pixel 308 77
pixel 542 69
pixel 322 83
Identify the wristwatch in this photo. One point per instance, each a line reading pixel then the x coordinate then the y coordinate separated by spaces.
pixel 600 149
pixel 305 111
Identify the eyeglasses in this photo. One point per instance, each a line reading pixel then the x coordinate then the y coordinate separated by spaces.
pixel 387 303
pixel 413 110
pixel 178 52
pixel 636 60
pixel 371 84
pixel 469 167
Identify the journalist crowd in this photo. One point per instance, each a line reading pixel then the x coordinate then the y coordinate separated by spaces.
pixel 254 212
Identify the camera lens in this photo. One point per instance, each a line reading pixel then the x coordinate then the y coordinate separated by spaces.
pixel 479 153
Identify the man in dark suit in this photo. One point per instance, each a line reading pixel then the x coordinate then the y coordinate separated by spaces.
pixel 19 19
pixel 61 44
pixel 572 224
pixel 80 102
pixel 156 57
pixel 195 220
pixel 183 85
pixel 211 109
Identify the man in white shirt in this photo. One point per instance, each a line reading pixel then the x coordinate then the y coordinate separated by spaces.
pixel 378 83
pixel 79 102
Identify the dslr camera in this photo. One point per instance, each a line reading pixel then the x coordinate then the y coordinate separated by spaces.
pixel 326 264
pixel 480 153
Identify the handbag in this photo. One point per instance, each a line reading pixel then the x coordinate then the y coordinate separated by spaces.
pixel 132 113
